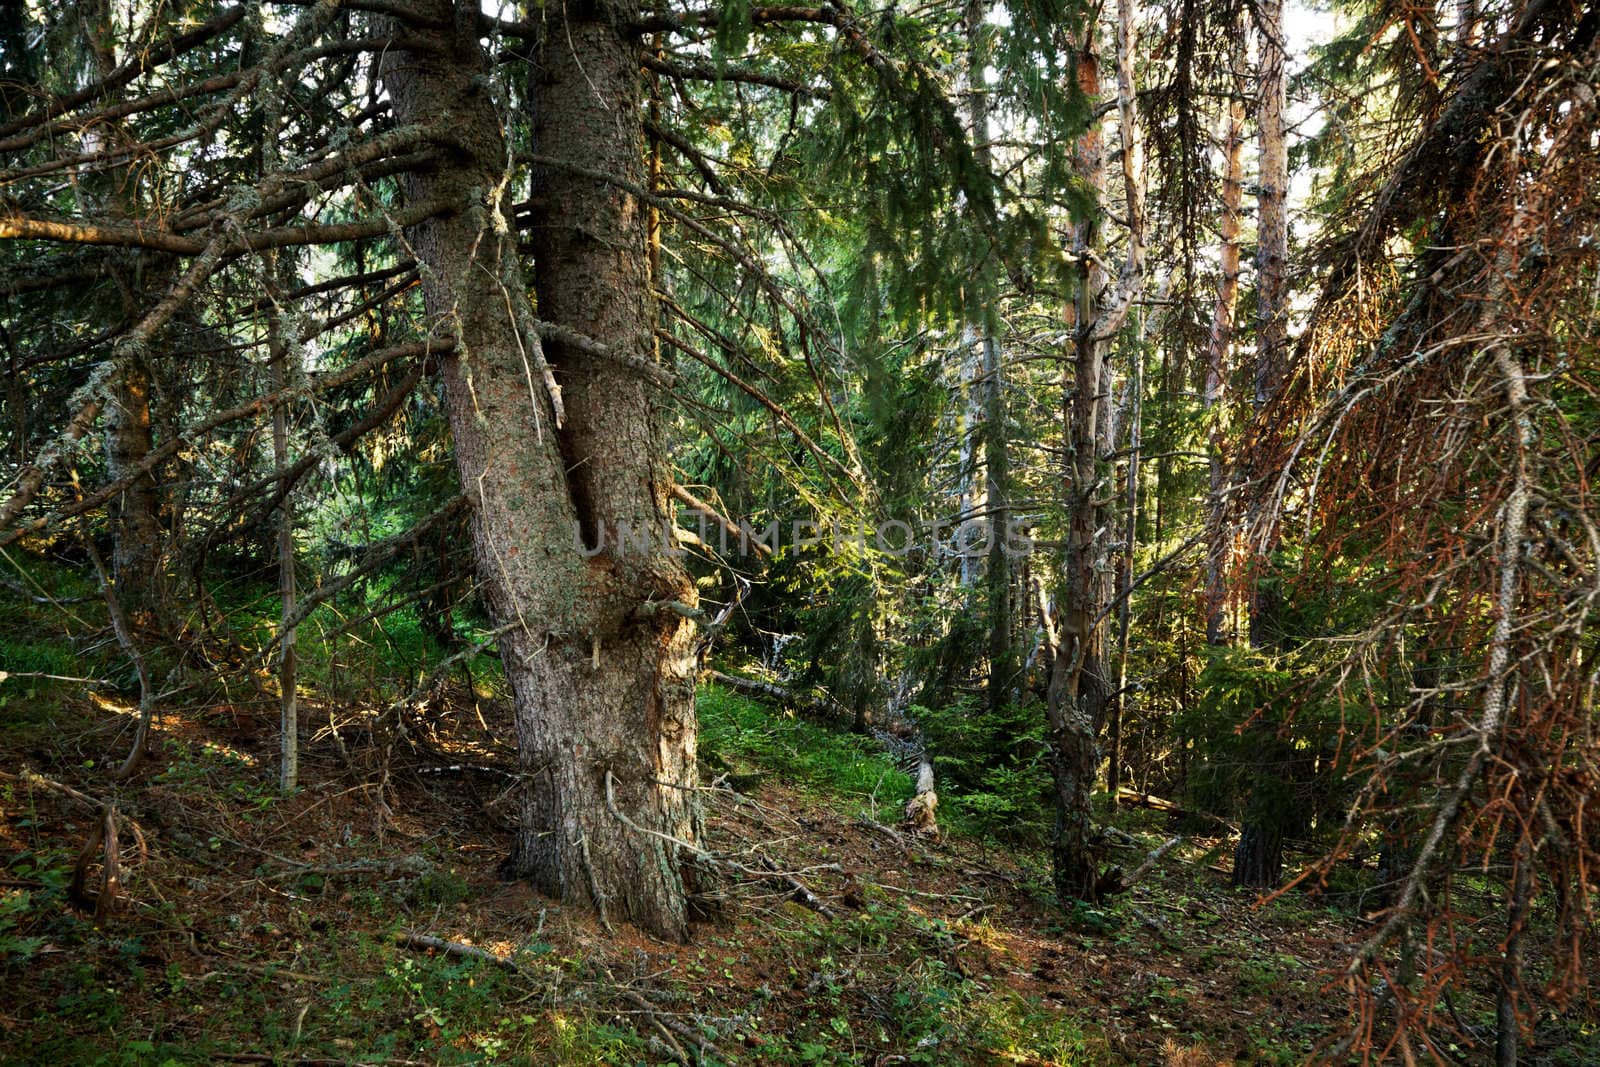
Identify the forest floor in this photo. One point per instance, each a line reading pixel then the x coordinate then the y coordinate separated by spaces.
pixel 256 928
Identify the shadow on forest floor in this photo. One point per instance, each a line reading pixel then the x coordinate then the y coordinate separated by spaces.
pixel 254 928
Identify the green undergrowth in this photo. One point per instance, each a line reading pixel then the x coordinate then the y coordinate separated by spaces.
pixel 890 982
pixel 224 950
pixel 748 741
pixel 221 947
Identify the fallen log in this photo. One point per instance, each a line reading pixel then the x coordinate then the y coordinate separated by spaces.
pixel 783 696
pixel 920 817
pixel 1134 799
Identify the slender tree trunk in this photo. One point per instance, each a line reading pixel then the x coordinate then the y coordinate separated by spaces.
pixel 289 725
pixel 1077 696
pixel 599 653
pixel 1076 687
pixel 1124 593
pixel 996 441
pixel 1272 236
pixel 972 500
pixel 282 352
pixel 1519 900
pixel 997 466
pixel 1220 537
pixel 1258 860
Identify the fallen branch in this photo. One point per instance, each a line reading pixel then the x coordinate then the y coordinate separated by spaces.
pixel 1161 928
pixel 781 695
pixel 1150 862
pixel 887 831
pixel 31 777
pixel 276 1058
pixel 660 1018
pixel 411 939
pixel 415 865
pixel 768 872
pixel 797 889
pixel 1021 1060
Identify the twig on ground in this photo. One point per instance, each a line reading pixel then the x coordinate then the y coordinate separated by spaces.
pixel 677 1026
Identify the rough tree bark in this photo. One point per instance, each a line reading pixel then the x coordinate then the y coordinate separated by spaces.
pixel 139 537
pixel 601 659
pixel 1134 418
pixel 1076 686
pixel 1078 691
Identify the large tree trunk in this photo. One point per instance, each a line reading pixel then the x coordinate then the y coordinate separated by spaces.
pixel 598 651
pixel 1258 860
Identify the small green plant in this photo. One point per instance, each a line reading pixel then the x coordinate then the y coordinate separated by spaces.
pixel 29 912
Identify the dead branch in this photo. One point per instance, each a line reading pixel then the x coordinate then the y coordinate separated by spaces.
pixel 728 525
pixel 102 844
pixel 655 1014
pixel 781 695
pixel 798 891
pixel 1134 799
pixel 1150 862
pixel 411 939
pixel 93 394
